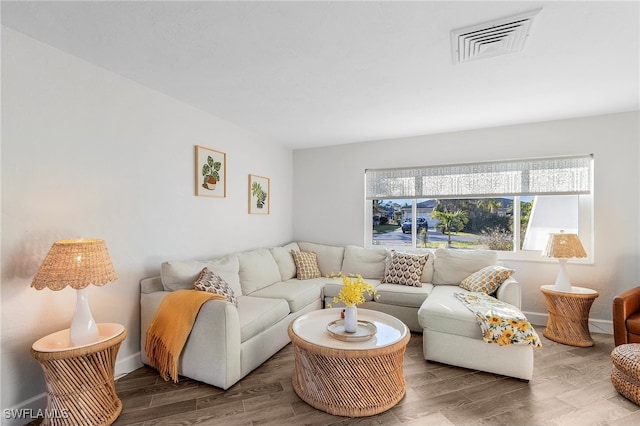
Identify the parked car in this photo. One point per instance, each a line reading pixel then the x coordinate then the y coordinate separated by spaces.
pixel 420 223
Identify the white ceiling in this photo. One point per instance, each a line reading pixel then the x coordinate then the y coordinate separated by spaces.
pixel 309 74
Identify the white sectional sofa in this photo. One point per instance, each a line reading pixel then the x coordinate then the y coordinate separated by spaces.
pixel 227 342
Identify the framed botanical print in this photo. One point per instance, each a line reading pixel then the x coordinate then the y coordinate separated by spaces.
pixel 259 194
pixel 211 172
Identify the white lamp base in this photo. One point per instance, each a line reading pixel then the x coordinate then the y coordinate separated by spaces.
pixel 83 328
pixel 562 280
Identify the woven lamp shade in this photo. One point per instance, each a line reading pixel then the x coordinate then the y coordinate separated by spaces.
pixel 564 246
pixel 75 263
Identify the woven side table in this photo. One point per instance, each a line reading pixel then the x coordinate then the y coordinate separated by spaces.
pixel 568 321
pixel 348 378
pixel 80 383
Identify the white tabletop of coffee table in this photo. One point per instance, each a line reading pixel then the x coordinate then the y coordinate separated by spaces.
pixel 312 327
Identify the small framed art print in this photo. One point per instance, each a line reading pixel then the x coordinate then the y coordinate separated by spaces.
pixel 211 172
pixel 259 194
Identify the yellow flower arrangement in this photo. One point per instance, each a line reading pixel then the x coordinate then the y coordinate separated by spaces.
pixel 353 289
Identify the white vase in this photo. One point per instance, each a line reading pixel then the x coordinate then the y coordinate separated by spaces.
pixel 350 319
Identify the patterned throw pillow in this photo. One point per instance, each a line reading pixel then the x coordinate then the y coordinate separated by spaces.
pixel 306 264
pixel 405 269
pixel 487 280
pixel 209 281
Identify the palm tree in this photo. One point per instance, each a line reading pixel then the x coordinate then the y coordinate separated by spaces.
pixel 450 222
pixel 491 205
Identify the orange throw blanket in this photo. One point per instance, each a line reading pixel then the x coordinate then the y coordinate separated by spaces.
pixel 171 326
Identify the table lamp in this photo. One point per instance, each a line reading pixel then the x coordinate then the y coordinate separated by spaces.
pixel 77 263
pixel 562 247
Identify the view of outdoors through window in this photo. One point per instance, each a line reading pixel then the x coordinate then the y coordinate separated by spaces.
pixel 478 223
pixel 507 206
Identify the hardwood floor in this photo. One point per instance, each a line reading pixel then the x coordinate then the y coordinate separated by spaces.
pixel 571 386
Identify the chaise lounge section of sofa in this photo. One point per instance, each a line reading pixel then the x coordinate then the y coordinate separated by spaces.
pixel 451 333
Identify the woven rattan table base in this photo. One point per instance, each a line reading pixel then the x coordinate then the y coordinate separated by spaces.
pixel 568 321
pixel 80 384
pixel 351 383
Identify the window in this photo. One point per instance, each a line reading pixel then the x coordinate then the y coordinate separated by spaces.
pixel 508 206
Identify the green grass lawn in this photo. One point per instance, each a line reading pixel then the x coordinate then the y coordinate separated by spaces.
pixel 383 229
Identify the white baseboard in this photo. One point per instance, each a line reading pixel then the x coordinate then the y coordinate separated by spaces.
pixel 28 410
pixel 127 365
pixel 595 325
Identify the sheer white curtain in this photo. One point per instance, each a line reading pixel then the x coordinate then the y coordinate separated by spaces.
pixel 544 176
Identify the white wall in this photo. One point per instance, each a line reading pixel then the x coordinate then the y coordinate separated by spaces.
pixel 88 153
pixel 329 191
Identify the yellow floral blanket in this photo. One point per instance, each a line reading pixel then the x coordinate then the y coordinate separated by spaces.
pixel 500 322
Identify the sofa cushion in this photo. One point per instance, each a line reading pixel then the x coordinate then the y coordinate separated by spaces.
pixel 368 262
pixel 333 286
pixel 210 282
pixel 258 269
pixel 306 264
pixel 443 312
pixel 329 257
pixel 487 280
pixel 403 295
pixel 257 314
pixel 405 269
pixel 181 274
pixel 427 271
pixel 297 294
pixel 452 266
pixel 283 258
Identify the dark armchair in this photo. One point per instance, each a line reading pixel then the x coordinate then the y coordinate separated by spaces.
pixel 626 317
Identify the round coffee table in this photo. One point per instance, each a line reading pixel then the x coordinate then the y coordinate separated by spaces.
pixel 349 378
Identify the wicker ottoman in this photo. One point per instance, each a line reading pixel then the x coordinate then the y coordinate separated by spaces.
pixel 625 374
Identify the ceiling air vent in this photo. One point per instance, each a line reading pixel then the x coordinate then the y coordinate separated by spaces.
pixel 494 38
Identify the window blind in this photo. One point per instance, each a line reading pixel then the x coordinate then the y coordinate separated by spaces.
pixel 544 176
